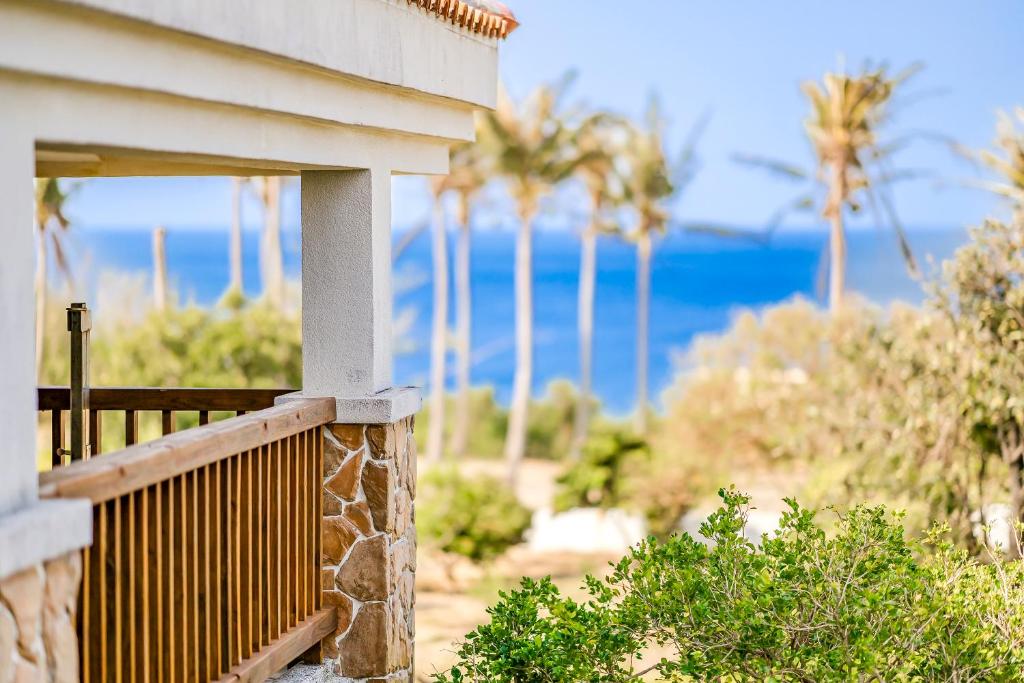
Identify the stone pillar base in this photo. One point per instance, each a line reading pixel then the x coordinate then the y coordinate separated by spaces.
pixel 38 640
pixel 369 549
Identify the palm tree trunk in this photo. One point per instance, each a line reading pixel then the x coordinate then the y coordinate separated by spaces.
pixel 643 302
pixel 585 321
pixel 515 439
pixel 837 239
pixel 438 336
pixel 160 268
pixel 463 330
pixel 271 258
pixel 41 277
pixel 1016 505
pixel 235 246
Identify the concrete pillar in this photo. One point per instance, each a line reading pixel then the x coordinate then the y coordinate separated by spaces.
pixel 369 541
pixel 346 282
pixel 18 484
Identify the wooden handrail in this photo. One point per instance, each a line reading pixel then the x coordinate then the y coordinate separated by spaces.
pixel 139 466
pixel 158 398
pixel 205 559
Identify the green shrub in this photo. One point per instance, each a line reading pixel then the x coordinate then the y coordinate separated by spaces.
pixel 859 604
pixel 602 477
pixel 477 517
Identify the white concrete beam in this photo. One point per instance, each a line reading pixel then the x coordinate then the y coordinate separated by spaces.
pixel 91 47
pixel 387 41
pixel 121 124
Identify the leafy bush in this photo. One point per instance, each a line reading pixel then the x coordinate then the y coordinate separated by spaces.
pixel 479 518
pixel 860 604
pixel 603 475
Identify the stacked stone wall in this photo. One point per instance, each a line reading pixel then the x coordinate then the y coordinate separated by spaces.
pixel 38 641
pixel 369 550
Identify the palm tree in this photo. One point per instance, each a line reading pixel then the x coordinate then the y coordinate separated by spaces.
pixel 469 174
pixel 235 243
pixel 532 147
pixel 848 112
pixel 597 144
pixel 1007 160
pixel 271 256
pixel 649 184
pixel 465 178
pixel 51 224
pixel 439 327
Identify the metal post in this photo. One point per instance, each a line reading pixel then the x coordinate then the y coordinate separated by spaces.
pixel 79 324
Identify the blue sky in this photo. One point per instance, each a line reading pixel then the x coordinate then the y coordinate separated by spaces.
pixel 740 61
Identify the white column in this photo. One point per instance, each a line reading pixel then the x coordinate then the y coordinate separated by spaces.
pixel 18 483
pixel 346 295
pixel 31 531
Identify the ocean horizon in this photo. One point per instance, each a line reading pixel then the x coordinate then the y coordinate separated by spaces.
pixel 699 284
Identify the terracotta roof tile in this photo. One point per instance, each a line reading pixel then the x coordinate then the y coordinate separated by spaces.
pixel 488 17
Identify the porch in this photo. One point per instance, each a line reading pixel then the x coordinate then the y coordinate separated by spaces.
pixel 279 529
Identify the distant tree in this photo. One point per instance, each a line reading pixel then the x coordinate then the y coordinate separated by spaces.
pixel 599 144
pixel 51 226
pixel 532 147
pixel 1006 159
pixel 235 244
pixel 650 182
pixel 848 114
pixel 160 288
pixel 439 326
pixel 469 174
pixel 268 189
pixel 466 177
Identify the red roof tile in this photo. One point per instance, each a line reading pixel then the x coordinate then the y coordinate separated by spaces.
pixel 488 17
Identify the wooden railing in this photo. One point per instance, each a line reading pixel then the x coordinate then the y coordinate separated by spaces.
pixel 204 564
pixel 133 402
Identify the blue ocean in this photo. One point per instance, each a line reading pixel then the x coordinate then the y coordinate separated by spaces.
pixel 699 283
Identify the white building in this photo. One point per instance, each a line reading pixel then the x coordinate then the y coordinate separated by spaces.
pixel 210 554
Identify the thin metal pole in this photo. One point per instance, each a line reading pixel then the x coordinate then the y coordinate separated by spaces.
pixel 79 324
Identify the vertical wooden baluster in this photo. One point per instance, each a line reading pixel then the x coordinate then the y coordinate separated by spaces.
pixel 303 548
pixel 215 570
pixel 96 431
pixel 167 421
pixel 267 548
pixel 103 596
pixel 318 500
pixel 145 589
pixel 289 581
pixel 56 438
pixel 275 611
pixel 204 417
pixel 312 562
pixel 306 589
pixel 86 608
pixel 131 606
pixel 236 569
pixel 296 532
pixel 131 427
pixel 245 595
pixel 206 596
pixel 196 580
pixel 172 571
pixel 157 537
pixel 258 535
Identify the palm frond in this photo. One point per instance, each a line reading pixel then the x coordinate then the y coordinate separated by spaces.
pixel 777 167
